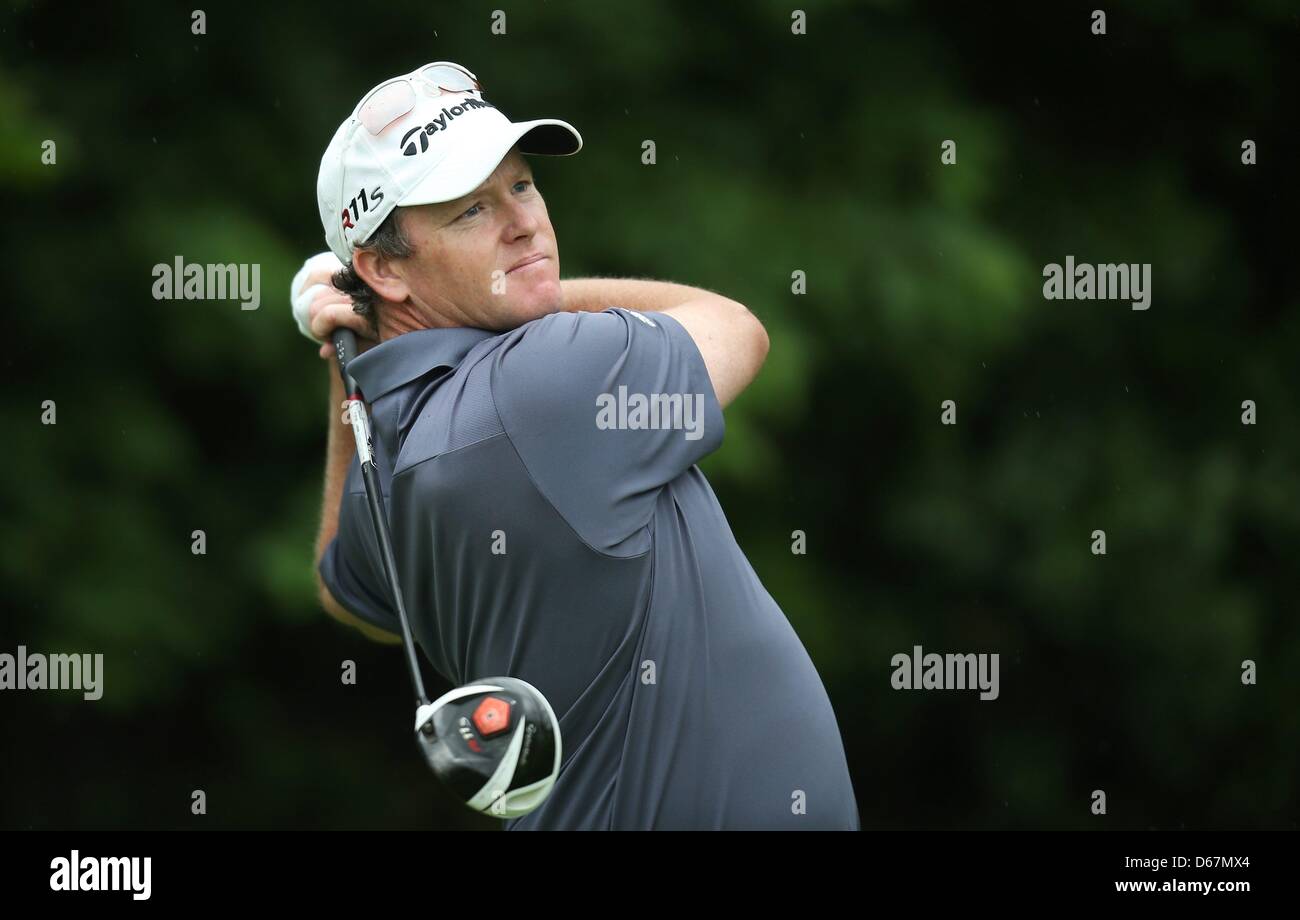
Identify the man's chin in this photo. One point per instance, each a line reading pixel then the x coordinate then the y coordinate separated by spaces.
pixel 542 299
pixel 519 313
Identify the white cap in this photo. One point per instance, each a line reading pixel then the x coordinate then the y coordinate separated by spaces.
pixel 443 148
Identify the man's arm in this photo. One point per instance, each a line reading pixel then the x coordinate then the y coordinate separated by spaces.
pixel 318 308
pixel 338 457
pixel 731 340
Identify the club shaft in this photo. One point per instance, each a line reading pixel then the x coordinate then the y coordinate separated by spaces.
pixel 345 349
pixel 380 518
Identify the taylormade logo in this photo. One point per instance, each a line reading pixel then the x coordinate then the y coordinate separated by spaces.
pixel 55 672
pixel 637 411
pixel 102 873
pixel 417 139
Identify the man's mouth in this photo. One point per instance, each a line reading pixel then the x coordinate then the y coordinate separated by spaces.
pixel 527 261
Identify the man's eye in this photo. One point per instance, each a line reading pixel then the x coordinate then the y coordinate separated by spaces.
pixel 524 182
pixel 470 212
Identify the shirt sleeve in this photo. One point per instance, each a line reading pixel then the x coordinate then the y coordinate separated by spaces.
pixel 604 410
pixel 351 568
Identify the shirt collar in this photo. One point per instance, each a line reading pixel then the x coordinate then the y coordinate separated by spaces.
pixel 403 358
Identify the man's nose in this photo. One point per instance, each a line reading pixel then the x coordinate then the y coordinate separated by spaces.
pixel 522 220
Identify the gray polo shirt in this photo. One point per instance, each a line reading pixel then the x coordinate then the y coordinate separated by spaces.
pixel 550 524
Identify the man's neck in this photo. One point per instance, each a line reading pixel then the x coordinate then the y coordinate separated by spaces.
pixel 398 318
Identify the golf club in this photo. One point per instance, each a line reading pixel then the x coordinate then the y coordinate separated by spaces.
pixel 494 742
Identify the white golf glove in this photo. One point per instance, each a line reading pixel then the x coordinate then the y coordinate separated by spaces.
pixel 301 299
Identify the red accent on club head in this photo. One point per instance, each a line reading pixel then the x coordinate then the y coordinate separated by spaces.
pixel 492 716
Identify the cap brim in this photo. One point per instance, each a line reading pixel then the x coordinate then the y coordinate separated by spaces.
pixel 467 166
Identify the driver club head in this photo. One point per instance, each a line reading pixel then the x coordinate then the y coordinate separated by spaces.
pixel 495 743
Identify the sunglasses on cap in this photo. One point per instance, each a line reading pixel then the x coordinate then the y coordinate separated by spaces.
pixel 389 101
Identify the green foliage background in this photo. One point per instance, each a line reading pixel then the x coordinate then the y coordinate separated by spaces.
pixel 776 152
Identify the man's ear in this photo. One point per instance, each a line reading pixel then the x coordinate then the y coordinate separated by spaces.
pixel 383 275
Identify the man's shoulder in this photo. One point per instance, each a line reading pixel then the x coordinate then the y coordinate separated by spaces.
pixel 564 325
pixel 448 412
pixel 560 352
pixel 520 372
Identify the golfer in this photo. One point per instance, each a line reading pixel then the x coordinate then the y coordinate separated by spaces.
pixel 537 442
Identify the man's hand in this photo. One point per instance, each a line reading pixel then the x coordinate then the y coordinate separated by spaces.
pixel 319 308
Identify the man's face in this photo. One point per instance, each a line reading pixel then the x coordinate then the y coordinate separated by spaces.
pixel 466 250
